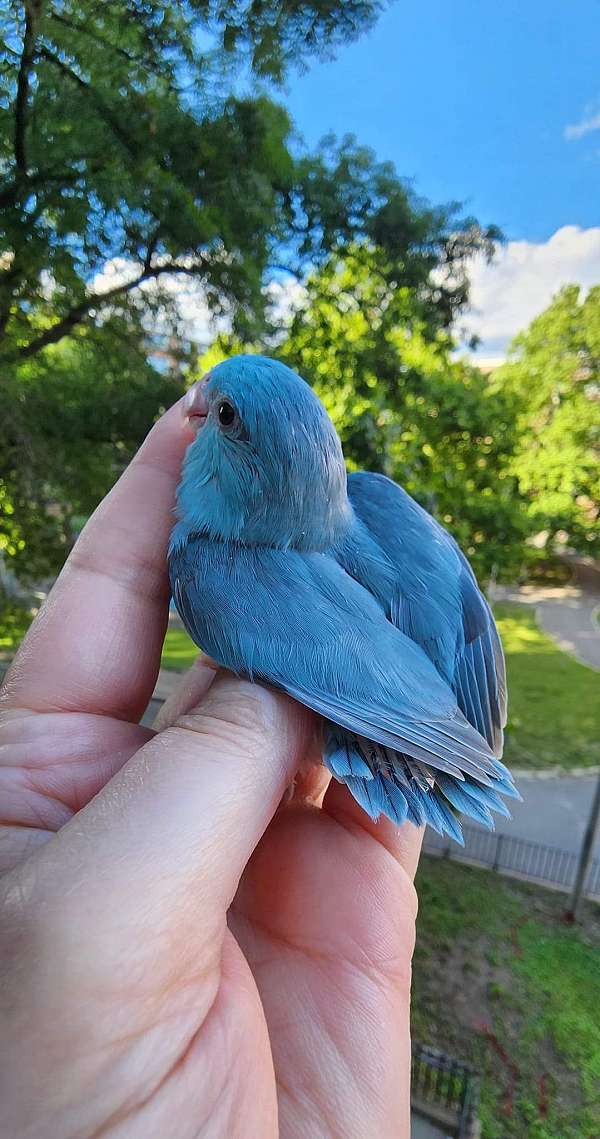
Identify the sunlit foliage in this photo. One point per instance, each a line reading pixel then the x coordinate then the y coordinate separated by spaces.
pixel 404 406
pixel 554 377
pixel 141 142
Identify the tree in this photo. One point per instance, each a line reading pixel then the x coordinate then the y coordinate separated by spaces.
pixel 120 138
pixel 553 375
pixel 72 418
pixel 140 141
pixel 367 342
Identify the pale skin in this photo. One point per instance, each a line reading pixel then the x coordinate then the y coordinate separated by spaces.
pixel 185 951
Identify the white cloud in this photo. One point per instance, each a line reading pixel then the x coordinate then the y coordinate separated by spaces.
pixel 285 295
pixel 505 295
pixel 587 125
pixel 523 278
pixel 195 320
pixel 116 272
pixel 186 300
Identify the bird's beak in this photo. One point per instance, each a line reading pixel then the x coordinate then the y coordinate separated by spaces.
pixel 195 406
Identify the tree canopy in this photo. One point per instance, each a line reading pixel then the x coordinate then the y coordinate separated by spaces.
pixel 72 418
pixel 553 375
pixel 404 406
pixel 141 142
pixel 145 133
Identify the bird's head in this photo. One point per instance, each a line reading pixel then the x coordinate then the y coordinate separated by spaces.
pixel 266 465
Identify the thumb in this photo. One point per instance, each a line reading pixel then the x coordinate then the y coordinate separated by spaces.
pixel 154 860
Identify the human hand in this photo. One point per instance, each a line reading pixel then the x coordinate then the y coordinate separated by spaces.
pixel 178 955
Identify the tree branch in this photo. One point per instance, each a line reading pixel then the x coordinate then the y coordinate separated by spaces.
pixel 92 94
pixel 22 98
pixel 151 250
pixel 79 312
pixel 81 29
pixel 10 192
pixel 74 317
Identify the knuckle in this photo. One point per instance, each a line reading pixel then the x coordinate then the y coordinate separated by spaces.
pixel 239 717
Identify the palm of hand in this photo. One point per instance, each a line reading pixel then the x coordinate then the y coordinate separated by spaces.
pixel 326 919
pixel 295 1003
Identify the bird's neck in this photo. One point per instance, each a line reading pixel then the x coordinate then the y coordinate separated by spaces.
pixel 310 522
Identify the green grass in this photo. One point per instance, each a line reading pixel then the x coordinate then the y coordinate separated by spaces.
pixel 554 702
pixel 501 982
pixel 179 652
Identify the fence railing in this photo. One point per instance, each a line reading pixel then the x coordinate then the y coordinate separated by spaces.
pixel 519 856
pixel 443 1083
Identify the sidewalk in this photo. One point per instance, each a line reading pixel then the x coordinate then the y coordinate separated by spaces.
pixel 554 810
pixel 573 624
pixel 567 613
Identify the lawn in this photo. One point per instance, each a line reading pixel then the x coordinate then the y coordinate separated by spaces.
pixel 179 652
pixel 501 982
pixel 554 702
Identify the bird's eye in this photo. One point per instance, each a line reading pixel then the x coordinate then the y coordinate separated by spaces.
pixel 226 413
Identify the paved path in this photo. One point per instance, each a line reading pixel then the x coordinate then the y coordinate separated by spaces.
pixel 151 712
pixel 554 810
pixel 422 1129
pixel 572 622
pixel 567 613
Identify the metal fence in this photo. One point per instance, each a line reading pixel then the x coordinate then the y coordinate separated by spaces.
pixel 518 856
pixel 442 1082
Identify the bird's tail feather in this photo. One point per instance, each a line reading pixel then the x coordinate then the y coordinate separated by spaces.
pixel 386 782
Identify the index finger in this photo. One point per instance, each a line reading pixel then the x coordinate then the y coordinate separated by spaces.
pixel 95 645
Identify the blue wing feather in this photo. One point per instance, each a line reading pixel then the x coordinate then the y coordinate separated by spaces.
pixel 389 640
pixel 299 622
pixel 432 595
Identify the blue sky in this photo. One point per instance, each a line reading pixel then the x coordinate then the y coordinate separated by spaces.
pixel 472 100
pixel 496 105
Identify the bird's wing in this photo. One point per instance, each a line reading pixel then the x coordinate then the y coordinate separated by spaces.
pixel 433 597
pixel 300 623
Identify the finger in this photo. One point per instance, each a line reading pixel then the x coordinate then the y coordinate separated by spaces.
pixel 95 646
pixel 312 778
pixel 403 842
pixel 193 685
pixel 310 785
pixel 157 855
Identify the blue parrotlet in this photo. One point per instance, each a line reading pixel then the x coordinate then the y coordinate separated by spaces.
pixel 340 590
